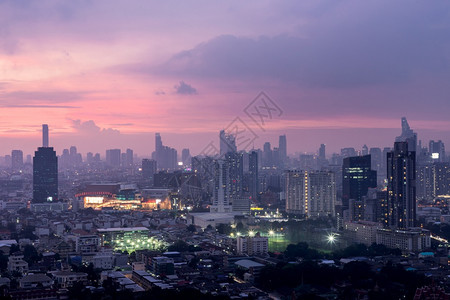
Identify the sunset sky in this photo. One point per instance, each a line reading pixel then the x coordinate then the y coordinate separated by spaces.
pixel 110 73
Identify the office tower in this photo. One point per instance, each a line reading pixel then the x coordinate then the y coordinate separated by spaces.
pixel 113 157
pixel 45 172
pixel 45 135
pixel 16 160
pixel 348 152
pixel 186 157
pixel 253 174
pixel 228 181
pixel 321 187
pixel 267 155
pixel 322 154
pixel 296 194
pixel 357 178
pixel 377 159
pixel 221 199
pixel 227 143
pixel 401 186
pixel 408 135
pixel 365 150
pixel 129 158
pixel 28 160
pixel 437 151
pixel 282 148
pixel 89 157
pixel 165 156
pixel 149 168
pixel 8 161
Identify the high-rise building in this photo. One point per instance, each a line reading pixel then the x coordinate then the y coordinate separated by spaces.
pixel 408 135
pixel 296 194
pixel 16 160
pixel 267 155
pixel 113 157
pixel 321 187
pixel 45 172
pixel 45 135
pixel 227 143
pixel 322 153
pixel 186 157
pixel 164 155
pixel 228 181
pixel 253 174
pixel 149 169
pixel 401 186
pixel 129 158
pixel 357 178
pixel 437 151
pixel 365 150
pixel 282 148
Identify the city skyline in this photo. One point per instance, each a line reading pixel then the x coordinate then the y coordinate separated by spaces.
pixel 188 83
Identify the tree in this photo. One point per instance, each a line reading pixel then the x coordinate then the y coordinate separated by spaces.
pixel 30 254
pixel 192 228
pixel 179 246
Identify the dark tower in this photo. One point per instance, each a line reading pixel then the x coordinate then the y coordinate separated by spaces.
pixel 357 178
pixel 253 174
pixel 401 174
pixel 45 172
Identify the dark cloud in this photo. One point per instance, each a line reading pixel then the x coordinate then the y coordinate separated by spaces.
pixel 356 44
pixel 185 89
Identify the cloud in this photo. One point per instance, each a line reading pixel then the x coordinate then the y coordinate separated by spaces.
pixel 159 92
pixel 37 106
pixel 353 45
pixel 185 89
pixel 36 98
pixel 90 128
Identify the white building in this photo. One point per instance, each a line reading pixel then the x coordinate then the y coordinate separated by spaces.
pixel 252 245
pixel 362 232
pixel 414 239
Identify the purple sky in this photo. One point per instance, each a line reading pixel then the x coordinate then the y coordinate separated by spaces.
pixel 109 74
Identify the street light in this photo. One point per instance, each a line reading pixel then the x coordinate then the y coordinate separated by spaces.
pixel 271 232
pixel 331 238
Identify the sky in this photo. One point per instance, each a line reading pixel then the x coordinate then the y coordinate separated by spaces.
pixel 110 73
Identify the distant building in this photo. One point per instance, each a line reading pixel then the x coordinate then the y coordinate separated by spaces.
pixel 149 168
pixel 113 158
pixel 165 156
pixel 16 160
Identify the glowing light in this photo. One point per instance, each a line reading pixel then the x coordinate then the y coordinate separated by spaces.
pixel 251 233
pixel 331 238
pixel 271 232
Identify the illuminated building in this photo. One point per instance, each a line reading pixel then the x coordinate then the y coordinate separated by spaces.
pixel 296 192
pixel 252 245
pixel 401 187
pixel 123 197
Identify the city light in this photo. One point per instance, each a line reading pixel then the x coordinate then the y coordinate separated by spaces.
pixel 331 238
pixel 271 232
pixel 251 233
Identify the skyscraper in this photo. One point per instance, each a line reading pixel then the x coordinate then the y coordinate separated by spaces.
pixel 45 172
pixel 401 186
pixel 437 151
pixel 321 187
pixel 148 168
pixel 357 178
pixel 113 157
pixel 296 194
pixel 45 135
pixel 164 155
pixel 228 181
pixel 282 148
pixel 227 143
pixel 16 160
pixel 408 135
pixel 253 174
